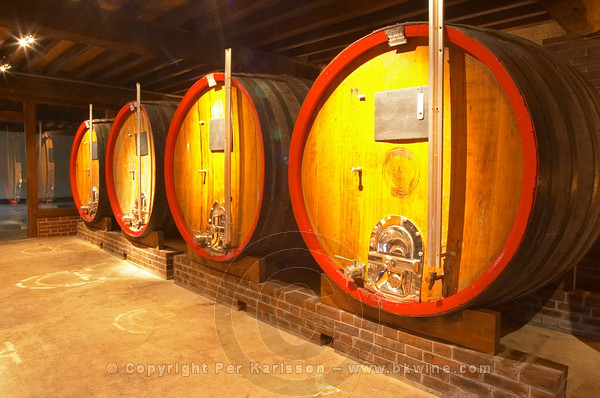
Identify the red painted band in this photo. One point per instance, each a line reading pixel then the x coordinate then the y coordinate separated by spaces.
pixel 182 111
pixel 118 123
pixel 529 186
pixel 72 171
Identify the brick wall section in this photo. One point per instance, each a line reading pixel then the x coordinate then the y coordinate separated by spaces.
pixel 446 370
pixel 581 52
pixel 57 226
pixel 576 312
pixel 159 262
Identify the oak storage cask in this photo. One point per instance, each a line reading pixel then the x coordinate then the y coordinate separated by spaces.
pixel 520 177
pixel 264 109
pixel 135 182
pixel 53 156
pixel 90 195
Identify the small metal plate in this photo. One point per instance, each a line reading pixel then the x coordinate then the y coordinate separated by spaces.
pixel 395 35
pixel 216 130
pixel 402 115
pixel 94 150
pixel 143 144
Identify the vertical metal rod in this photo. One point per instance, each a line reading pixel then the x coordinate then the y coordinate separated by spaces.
pixel 91 142
pixel 436 128
pixel 227 140
pixel 139 149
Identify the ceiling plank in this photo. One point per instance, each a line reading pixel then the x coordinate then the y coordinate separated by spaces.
pixel 315 15
pixel 87 56
pixel 145 69
pixel 68 56
pixel 100 62
pixel 185 79
pixel 54 51
pixel 129 62
pixel 314 41
pixel 188 11
pixel 91 25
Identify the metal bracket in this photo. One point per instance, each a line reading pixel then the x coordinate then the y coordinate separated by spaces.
pixel 354 271
pixel 395 35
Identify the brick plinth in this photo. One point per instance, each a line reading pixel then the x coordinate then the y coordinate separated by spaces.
pixel 159 262
pixel 439 367
pixel 576 312
pixel 49 227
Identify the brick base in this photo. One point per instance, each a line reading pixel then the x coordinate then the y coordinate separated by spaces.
pixel 576 312
pixel 57 226
pixel 159 262
pixel 438 367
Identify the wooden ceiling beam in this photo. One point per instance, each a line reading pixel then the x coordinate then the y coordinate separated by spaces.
pixel 191 10
pixel 68 56
pixel 312 42
pixel 92 25
pixel 127 63
pixel 100 62
pixel 523 20
pixel 185 80
pixel 69 92
pixel 143 70
pixel 315 15
pixel 156 83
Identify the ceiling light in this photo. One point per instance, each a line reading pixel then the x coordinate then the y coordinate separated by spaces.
pixel 26 41
pixel 4 66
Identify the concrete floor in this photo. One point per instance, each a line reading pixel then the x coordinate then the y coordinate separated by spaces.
pixel 13 221
pixel 76 321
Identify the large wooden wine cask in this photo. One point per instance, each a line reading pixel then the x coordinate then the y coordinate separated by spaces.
pixel 90 195
pixel 54 150
pixel 46 172
pixel 12 165
pixel 520 169
pixel 135 184
pixel 264 109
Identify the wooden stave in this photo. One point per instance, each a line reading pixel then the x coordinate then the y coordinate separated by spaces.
pixel 45 177
pixel 102 128
pixel 483 297
pixel 159 114
pixel 557 256
pixel 275 217
pixel 260 240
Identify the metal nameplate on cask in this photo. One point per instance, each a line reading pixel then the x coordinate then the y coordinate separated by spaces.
pixel 94 150
pixel 216 141
pixel 402 114
pixel 143 143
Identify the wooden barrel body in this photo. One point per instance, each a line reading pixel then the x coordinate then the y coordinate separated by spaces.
pixel 46 169
pixel 520 170
pixel 12 165
pixel 90 194
pixel 264 109
pixel 54 149
pixel 135 184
